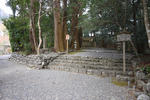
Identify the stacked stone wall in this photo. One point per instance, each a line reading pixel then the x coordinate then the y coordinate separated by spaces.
pixel 34 61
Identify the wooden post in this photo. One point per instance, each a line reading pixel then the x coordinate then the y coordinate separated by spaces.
pixel 67 38
pixel 124 57
pixel 67 46
pixel 124 37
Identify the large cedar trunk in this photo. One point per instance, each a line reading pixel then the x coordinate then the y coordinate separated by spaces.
pixel 80 37
pixel 146 20
pixel 74 24
pixel 135 8
pixel 64 24
pixel 33 39
pixel 58 43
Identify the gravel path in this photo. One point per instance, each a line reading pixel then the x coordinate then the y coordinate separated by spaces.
pixel 17 82
pixel 103 53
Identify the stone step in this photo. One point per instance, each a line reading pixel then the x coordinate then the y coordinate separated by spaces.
pixel 77 61
pixel 78 58
pixel 98 72
pixel 89 63
pixel 88 66
pixel 93 59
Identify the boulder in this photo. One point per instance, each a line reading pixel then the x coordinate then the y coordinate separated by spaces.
pixel 143 97
pixel 138 93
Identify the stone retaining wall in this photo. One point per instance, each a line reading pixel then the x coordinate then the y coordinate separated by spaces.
pixel 34 61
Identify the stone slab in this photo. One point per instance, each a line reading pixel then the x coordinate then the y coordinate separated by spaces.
pixel 90 72
pixel 74 70
pixel 97 72
pixel 83 71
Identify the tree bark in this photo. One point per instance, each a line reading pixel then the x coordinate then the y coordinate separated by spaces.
pixel 58 43
pixel 39 26
pixel 64 24
pixel 32 25
pixel 74 24
pixel 80 37
pixel 146 20
pixel 134 22
pixel 31 37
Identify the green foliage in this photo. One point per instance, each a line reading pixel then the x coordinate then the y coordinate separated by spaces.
pixel 27 48
pixel 47 25
pixel 18 33
pixel 104 18
pixel 146 69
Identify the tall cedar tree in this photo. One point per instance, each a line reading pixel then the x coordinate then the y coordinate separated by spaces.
pixel 64 23
pixel 146 20
pixel 74 24
pixel 58 41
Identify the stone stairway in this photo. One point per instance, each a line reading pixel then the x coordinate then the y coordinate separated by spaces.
pixel 89 65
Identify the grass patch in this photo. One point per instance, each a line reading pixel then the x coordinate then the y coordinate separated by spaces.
pixel 120 83
pixel 74 52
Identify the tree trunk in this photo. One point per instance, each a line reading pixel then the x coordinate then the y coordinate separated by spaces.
pixel 31 37
pixel 44 42
pixel 146 19
pixel 58 43
pixel 64 24
pixel 39 26
pixel 134 22
pixel 74 24
pixel 32 24
pixel 80 37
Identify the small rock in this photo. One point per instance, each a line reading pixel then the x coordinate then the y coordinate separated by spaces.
pixel 148 76
pixel 134 63
pixel 122 78
pixel 125 78
pixel 118 77
pixel 141 84
pixel 148 87
pixel 143 97
pixel 131 73
pixel 139 75
pixel 104 73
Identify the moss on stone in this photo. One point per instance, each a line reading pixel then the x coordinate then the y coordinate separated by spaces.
pixel 74 52
pixel 120 83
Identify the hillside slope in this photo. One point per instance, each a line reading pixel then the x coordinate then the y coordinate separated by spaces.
pixel 3 14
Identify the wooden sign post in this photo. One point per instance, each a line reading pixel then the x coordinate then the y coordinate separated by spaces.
pixel 67 38
pixel 123 38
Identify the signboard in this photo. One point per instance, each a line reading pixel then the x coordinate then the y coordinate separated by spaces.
pixel 124 37
pixel 67 37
